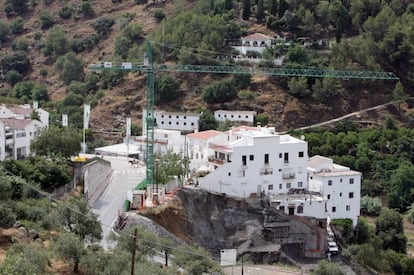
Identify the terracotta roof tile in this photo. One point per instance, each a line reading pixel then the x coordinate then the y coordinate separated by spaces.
pixel 204 134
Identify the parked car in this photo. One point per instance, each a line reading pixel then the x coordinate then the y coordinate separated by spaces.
pixel 333 248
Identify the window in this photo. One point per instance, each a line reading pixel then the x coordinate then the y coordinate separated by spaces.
pixel 301 154
pixel 232 116
pixel 351 181
pixel 192 123
pixel 169 122
pixel 288 185
pixel 162 122
pixel 333 209
pixel 266 158
pixel 286 157
pixel 351 195
pixel 162 116
pixel 244 160
pixel 329 182
pixel 280 186
pixel 329 196
pixel 300 209
pixel 169 116
pixel 282 208
pixel 177 122
pixel 348 208
pixel 270 187
pixel 340 180
pixel 251 157
pixel 280 155
pixel 185 117
pixel 176 116
pixel 229 174
pixel 300 184
pixel 340 194
pixel 185 123
pixel 239 116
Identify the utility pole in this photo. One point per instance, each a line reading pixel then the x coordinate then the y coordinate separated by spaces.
pixel 134 248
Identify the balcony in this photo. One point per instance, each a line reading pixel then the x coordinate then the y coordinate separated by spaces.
pixel 266 171
pixel 288 175
pixel 215 161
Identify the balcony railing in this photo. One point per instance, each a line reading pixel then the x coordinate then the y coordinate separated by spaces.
pixel 266 171
pixel 288 175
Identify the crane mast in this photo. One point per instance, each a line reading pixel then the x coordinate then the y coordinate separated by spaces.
pixel 150 68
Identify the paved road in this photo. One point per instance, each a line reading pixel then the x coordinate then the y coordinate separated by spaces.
pixel 112 199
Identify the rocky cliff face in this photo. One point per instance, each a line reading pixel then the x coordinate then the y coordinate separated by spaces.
pixel 217 222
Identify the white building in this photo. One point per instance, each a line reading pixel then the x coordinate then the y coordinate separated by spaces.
pixel 255 42
pixel 17 129
pixel 246 117
pixel 186 122
pixel 339 185
pixel 256 161
pixel 164 140
pixel 15 137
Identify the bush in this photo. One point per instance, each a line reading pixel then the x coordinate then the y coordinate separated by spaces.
pixel 70 67
pixel 247 94
pixel 370 206
pixel 167 89
pixel 102 25
pixel 17 61
pixel 86 8
pixel 17 26
pixel 242 81
pixel 43 72
pixel 7 217
pixel 66 11
pixel 159 15
pixel 13 77
pixel 140 2
pixel 219 92
pixel 20 44
pixel 22 89
pixel 46 20
pixel 56 42
pixel 4 32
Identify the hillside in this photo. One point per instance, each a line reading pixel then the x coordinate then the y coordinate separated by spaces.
pixel 284 103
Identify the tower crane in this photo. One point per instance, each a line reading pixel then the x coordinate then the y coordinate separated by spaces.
pixel 150 68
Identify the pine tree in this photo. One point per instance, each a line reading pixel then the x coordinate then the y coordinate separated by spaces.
pixel 260 15
pixel 246 9
pixel 338 31
pixel 273 7
pixel 282 8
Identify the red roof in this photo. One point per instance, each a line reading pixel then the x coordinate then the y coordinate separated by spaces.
pixel 16 124
pixel 21 110
pixel 257 37
pixel 204 134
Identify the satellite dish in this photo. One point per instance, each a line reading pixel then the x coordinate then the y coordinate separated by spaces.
pixel 302 137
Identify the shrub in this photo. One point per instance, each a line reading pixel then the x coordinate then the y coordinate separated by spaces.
pixel 56 42
pixel 140 2
pixel 23 89
pixel 102 25
pixel 7 217
pixel 66 11
pixel 13 77
pixel 219 92
pixel 246 94
pixel 242 81
pixel 20 44
pixel 4 32
pixel 86 8
pixel 37 36
pixel 159 15
pixel 370 206
pixel 17 61
pixel 70 67
pixel 167 89
pixel 46 20
pixel 17 26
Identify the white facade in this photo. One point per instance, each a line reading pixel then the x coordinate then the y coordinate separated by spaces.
pixel 164 140
pixel 235 116
pixel 24 112
pixel 256 42
pixel 15 137
pixel 187 122
pixel 257 161
pixel 339 185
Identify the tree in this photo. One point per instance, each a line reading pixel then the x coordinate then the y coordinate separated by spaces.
pixel 56 141
pixel 102 25
pixel 18 61
pixel 22 258
pixel 282 8
pixel 4 32
pixel 19 6
pixel 219 92
pixel 410 214
pixel 207 120
pixel 39 93
pixel 389 227
pixel 56 43
pixel 195 260
pixel 23 89
pixel 338 30
pixel 13 77
pixel 400 195
pixel 298 86
pixel 169 165
pixel 328 268
pixel 167 89
pixel 228 4
pixel 399 94
pixel 17 26
pixel 101 262
pixel 273 7
pixel 76 216
pixel 260 14
pixel 370 206
pixel 70 67
pixel 69 246
pixel 246 9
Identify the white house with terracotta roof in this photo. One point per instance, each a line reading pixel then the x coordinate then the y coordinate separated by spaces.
pixel 339 185
pixel 245 117
pixel 17 129
pixel 164 140
pixel 255 42
pixel 257 161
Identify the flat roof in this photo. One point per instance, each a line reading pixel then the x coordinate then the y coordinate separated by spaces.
pixel 119 149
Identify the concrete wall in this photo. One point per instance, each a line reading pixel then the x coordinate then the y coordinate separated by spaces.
pixel 97 175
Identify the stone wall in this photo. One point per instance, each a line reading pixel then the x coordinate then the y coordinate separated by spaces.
pixel 97 175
